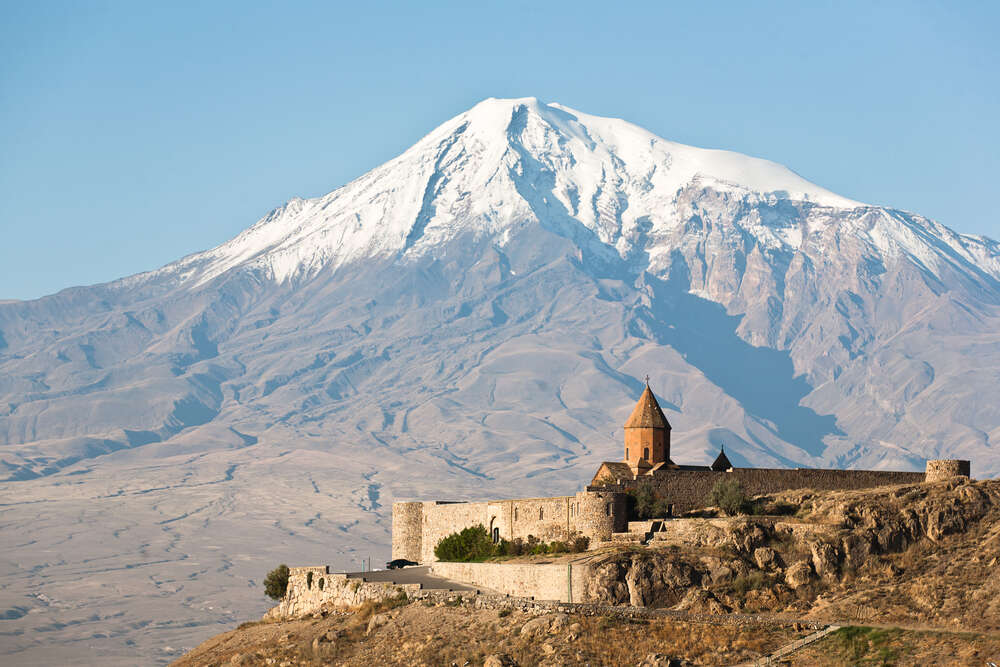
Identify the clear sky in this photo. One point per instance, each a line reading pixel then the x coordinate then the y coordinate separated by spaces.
pixel 134 133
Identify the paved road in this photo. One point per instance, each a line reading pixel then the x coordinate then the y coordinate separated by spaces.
pixel 419 574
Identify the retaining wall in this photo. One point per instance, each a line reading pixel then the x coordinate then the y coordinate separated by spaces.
pixel 562 582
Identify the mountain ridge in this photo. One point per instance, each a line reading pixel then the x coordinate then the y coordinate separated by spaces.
pixel 467 320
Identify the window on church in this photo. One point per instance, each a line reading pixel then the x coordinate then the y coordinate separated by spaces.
pixel 515 514
pixel 541 514
pixel 645 453
pixel 607 509
pixel 626 452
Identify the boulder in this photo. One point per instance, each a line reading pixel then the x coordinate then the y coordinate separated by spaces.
pixel 745 537
pixel 544 625
pixel 698 600
pixel 798 574
pixel 657 581
pixel 721 575
pixel 607 584
pixel 376 622
pixel 499 660
pixel 857 547
pixel 825 559
pixel 766 558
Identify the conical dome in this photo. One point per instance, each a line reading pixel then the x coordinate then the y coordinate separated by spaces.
pixel 647 413
pixel 722 462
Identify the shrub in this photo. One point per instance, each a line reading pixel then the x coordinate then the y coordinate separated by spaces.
pixel 309 580
pixel 276 582
pixel 558 547
pixel 645 503
pixel 580 544
pixel 729 497
pixel 470 544
pixel 322 583
pixel 751 582
pixel 539 549
pixel 514 547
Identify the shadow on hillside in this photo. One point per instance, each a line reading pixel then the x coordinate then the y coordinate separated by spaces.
pixel 763 380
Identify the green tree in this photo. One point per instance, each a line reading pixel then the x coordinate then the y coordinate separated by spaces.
pixel 276 582
pixel 470 544
pixel 645 502
pixel 727 494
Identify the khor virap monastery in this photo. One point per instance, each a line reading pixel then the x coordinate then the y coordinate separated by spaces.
pixel 601 509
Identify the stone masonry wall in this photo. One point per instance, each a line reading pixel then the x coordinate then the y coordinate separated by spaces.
pixel 688 489
pixel 545 581
pixel 305 596
pixel 422 525
pixel 939 470
pixel 407 530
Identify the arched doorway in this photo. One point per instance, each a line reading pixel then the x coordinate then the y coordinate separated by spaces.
pixel 494 530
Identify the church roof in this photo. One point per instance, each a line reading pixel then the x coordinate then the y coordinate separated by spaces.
pixel 647 413
pixel 616 470
pixel 721 462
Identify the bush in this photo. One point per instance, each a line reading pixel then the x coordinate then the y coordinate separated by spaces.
pixel 645 503
pixel 751 582
pixel 470 544
pixel 514 547
pixel 535 547
pixel 276 582
pixel 728 496
pixel 558 548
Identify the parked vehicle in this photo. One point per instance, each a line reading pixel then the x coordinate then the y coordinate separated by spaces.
pixel 399 563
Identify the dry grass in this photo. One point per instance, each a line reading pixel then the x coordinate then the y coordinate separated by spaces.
pixel 867 646
pixel 442 635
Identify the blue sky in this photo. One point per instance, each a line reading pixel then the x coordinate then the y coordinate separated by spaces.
pixel 134 133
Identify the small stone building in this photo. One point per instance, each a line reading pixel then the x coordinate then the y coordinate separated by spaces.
pixel 601 509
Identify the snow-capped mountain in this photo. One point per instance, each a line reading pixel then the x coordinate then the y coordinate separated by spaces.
pixel 472 318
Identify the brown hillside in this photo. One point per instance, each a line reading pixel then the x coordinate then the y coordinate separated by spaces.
pixel 921 557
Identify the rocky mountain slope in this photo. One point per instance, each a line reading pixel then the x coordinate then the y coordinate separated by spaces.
pixel 920 557
pixel 470 318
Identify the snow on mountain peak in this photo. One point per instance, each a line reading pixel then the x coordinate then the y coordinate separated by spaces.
pixel 502 163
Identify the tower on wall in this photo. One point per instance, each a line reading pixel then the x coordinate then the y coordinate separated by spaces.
pixel 647 435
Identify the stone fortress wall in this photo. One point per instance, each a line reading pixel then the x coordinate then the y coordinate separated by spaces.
pixel 602 510
pixel 688 490
pixel 939 470
pixel 417 527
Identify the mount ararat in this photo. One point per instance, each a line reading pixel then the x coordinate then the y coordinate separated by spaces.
pixel 470 319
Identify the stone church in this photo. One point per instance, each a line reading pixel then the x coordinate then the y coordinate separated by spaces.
pixel 602 508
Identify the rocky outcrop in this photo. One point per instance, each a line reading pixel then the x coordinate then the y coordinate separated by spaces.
pixel 798 574
pixel 642 580
pixel 771 560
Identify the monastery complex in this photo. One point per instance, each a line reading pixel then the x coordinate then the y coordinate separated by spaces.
pixel 602 509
